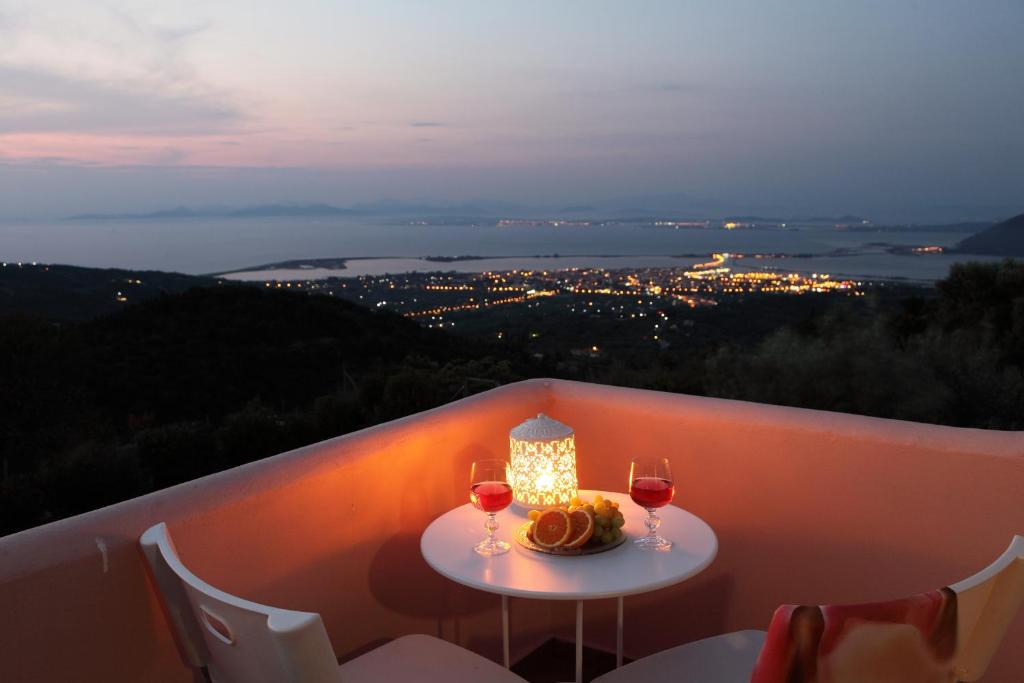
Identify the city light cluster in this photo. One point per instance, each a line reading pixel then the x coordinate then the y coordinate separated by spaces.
pixel 630 294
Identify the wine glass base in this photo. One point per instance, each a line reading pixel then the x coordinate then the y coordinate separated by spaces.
pixel 653 543
pixel 489 548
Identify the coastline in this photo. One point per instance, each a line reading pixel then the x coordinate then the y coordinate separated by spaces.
pixel 885 263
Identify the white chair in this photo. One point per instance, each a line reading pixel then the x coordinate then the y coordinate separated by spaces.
pixel 985 605
pixel 238 641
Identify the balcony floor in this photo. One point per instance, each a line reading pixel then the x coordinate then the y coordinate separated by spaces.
pixel 555 661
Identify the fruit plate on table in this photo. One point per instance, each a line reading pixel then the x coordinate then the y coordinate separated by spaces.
pixel 523 538
pixel 580 528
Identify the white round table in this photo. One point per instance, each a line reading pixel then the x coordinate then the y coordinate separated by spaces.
pixel 447 546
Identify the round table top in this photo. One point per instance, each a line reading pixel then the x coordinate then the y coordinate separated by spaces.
pixel 447 545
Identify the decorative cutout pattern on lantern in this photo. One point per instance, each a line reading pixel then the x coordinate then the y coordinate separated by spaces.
pixel 542 467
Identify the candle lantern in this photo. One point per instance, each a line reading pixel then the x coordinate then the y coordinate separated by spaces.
pixel 542 467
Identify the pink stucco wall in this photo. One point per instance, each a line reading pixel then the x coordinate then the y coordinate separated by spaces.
pixel 808 507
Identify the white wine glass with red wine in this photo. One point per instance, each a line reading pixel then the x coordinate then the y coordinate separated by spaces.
pixel 651 487
pixel 490 492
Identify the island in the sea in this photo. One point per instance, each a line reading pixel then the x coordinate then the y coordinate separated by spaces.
pixel 1002 239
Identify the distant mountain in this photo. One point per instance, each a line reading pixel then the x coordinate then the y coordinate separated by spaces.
pixel 385 207
pixel 396 207
pixel 970 227
pixel 260 211
pixel 274 210
pixel 640 208
pixel 1002 239
pixel 665 204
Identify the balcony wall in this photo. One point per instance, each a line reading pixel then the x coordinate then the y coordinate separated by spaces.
pixel 808 507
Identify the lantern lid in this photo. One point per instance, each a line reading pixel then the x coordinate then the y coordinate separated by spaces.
pixel 540 428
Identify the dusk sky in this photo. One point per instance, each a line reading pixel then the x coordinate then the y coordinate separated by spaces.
pixel 873 107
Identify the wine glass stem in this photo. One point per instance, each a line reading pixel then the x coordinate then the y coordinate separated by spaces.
pixel 491 525
pixel 652 522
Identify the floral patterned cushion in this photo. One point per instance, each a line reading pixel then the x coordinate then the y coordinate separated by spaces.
pixel 912 640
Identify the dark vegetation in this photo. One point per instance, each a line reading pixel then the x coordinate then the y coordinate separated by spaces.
pixel 64 293
pixel 956 358
pixel 187 384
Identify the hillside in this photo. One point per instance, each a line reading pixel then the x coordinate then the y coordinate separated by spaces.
pixel 187 384
pixel 1002 239
pixel 65 293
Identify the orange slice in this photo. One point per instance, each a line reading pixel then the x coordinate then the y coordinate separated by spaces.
pixel 552 528
pixel 582 523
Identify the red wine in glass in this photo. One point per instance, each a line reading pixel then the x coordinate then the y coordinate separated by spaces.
pixel 651 492
pixel 651 487
pixel 491 496
pixel 490 492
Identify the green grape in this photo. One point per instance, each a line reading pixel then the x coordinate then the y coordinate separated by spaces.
pixel 607 537
pixel 618 522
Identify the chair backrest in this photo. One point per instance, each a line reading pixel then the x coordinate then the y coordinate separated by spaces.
pixel 942 636
pixel 236 640
pixel 986 605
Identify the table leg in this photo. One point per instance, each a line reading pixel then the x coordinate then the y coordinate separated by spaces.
pixel 618 637
pixel 579 641
pixel 504 628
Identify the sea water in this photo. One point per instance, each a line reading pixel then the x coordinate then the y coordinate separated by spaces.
pixel 206 246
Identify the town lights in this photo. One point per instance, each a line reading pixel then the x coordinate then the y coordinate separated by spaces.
pixel 542 467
